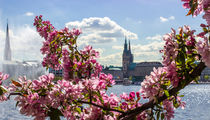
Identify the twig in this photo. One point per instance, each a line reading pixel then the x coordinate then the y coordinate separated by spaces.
pixel 102 107
pixel 13 94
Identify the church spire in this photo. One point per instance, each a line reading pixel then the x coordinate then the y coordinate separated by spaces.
pixel 129 46
pixel 125 45
pixel 7 49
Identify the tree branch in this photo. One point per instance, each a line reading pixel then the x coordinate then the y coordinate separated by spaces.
pixel 102 107
pixel 129 115
pixel 10 94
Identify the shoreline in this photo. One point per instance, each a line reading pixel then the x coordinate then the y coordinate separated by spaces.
pixel 140 84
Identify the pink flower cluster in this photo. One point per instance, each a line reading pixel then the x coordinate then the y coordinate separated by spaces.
pixel 3 77
pixel 38 97
pixel 76 64
pixel 206 7
pixel 171 46
pixel 99 83
pixel 198 6
pixel 34 100
pixel 130 102
pixel 3 88
pixel 169 76
pixel 124 103
pixel 84 64
pixel 52 46
pixel 151 86
pixel 170 49
pixel 203 49
pixel 168 106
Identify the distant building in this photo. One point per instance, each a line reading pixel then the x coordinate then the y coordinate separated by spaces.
pixel 31 69
pixel 116 73
pixel 58 73
pixel 135 72
pixel 205 75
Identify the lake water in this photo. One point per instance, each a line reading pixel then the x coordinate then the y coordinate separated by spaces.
pixel 197 98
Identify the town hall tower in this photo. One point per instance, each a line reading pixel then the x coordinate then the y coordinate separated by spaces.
pixel 127 58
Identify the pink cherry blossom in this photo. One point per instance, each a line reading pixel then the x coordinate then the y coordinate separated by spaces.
pixel 206 6
pixel 204 50
pixel 168 106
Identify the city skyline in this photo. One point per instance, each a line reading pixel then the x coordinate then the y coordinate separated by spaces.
pixel 104 25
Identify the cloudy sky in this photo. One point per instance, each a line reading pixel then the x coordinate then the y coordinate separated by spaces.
pixel 104 24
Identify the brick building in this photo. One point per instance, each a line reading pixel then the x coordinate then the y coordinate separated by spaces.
pixel 134 71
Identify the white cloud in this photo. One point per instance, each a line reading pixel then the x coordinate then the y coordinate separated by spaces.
pixel 141 52
pixel 113 59
pixel 98 30
pixel 100 50
pixel 163 19
pixel 25 43
pixel 153 46
pixel 29 14
pixel 117 47
pixel 2 38
pixel 139 22
pixel 171 18
pixel 156 37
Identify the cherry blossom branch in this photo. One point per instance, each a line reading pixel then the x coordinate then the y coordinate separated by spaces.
pixel 102 107
pixel 133 113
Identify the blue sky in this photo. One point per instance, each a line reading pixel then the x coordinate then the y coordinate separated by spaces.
pixel 103 22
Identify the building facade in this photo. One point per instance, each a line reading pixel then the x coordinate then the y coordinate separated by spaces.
pixel 135 72
pixel 57 73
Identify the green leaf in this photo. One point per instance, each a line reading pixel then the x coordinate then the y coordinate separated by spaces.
pixel 59 61
pixel 78 110
pixel 181 96
pixel 58 49
pixel 16 103
pixel 176 105
pixel 73 41
pixel 168 83
pixel 167 93
pixel 76 73
pixel 75 66
pixel 1 92
pixel 205 30
pixel 54 114
pixel 178 37
pixel 94 99
pixel 158 115
pixel 3 89
pixel 162 116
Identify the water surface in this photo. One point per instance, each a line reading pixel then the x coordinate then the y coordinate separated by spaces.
pixel 197 98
